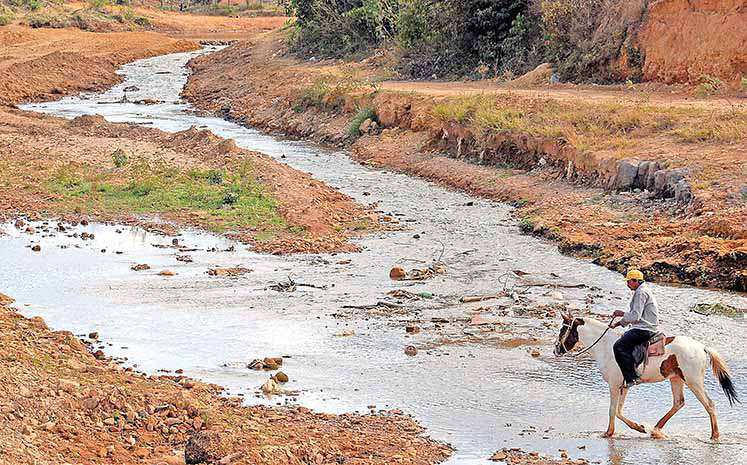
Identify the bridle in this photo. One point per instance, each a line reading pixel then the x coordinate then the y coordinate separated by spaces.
pixel 562 340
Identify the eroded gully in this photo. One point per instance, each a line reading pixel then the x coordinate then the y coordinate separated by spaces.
pixel 473 386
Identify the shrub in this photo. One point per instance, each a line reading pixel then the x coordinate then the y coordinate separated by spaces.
pixel 119 157
pixel 362 115
pixel 334 28
pixel 6 16
pixel 709 85
pixel 98 4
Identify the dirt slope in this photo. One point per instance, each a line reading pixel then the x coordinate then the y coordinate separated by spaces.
pixel 43 64
pixel 564 168
pixel 684 40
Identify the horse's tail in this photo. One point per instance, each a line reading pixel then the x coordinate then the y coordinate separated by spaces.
pixel 721 373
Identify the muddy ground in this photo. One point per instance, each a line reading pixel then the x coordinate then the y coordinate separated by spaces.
pixel 562 190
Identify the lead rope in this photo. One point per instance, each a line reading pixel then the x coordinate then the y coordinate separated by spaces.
pixel 595 342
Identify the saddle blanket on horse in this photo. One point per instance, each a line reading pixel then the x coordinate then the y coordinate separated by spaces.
pixel 654 347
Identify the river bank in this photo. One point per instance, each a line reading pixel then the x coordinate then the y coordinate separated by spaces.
pixel 91 169
pixel 590 190
pixel 60 404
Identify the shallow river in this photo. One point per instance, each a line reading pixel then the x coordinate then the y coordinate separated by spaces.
pixel 473 392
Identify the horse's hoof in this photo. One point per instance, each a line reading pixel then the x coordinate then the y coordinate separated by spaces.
pixel 608 434
pixel 658 434
pixel 715 437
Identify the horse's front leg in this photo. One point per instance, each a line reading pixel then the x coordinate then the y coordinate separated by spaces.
pixel 620 406
pixel 614 401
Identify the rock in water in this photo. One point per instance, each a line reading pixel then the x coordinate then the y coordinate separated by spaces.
pixel 5 300
pixel 204 447
pixel 397 273
pixel 271 387
pixel 280 377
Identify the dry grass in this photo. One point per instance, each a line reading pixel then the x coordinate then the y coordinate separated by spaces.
pixel 594 125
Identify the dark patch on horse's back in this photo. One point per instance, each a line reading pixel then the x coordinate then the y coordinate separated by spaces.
pixel 670 367
pixel 668 340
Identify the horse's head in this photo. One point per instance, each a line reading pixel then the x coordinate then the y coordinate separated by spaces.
pixel 568 337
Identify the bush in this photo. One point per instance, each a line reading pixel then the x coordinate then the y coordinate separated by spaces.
pixel 6 16
pixel 335 28
pixel 355 123
pixel 119 157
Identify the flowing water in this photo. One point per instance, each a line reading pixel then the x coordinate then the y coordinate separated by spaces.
pixel 467 385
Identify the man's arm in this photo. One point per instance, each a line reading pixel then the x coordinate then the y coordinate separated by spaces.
pixel 636 310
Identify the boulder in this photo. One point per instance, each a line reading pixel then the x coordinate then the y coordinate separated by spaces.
pixel 627 170
pixel 682 192
pixel 645 177
pixel 365 126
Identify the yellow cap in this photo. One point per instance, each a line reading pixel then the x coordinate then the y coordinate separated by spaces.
pixel 634 274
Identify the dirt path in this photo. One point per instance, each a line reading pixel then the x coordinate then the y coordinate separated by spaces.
pixel 649 94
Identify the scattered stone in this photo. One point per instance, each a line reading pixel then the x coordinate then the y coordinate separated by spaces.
pixel 397 273
pixel 93 335
pixel 68 386
pixel 184 258
pixel 140 267
pixel 231 272
pixel 36 248
pixel 270 387
pixel 280 377
pixel 345 333
pixel 269 363
pixel 535 353
pixel 411 351
pixel 166 273
pixel 412 329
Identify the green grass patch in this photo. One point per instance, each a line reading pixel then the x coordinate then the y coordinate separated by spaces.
pixel 231 199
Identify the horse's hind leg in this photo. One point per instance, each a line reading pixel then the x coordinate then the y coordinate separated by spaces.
pixel 700 392
pixel 678 401
pixel 631 424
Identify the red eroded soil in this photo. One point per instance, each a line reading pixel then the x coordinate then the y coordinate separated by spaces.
pixel 44 64
pixel 684 40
